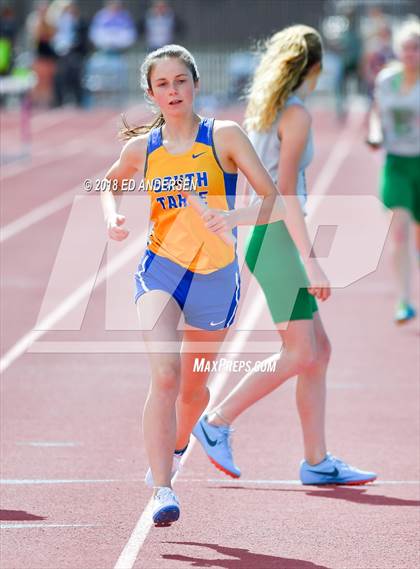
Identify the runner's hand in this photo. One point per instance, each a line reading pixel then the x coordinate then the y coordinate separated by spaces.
pixel 208 215
pixel 320 286
pixel 218 221
pixel 115 231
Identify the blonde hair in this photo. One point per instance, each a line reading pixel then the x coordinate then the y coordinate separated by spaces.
pixel 410 29
pixel 167 51
pixel 287 57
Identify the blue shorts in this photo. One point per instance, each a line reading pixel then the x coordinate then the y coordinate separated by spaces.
pixel 208 301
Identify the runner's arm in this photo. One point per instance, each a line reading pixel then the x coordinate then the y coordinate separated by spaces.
pixel 294 131
pixel 131 161
pixel 375 135
pixel 235 146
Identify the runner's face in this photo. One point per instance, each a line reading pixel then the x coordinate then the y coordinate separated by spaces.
pixel 410 54
pixel 172 87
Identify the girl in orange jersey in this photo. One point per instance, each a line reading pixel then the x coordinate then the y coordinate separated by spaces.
pixel 190 263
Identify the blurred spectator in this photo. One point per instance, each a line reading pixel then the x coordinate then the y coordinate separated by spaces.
pixel 55 9
pixel 112 32
pixel 40 33
pixel 71 46
pixel 113 28
pixel 241 66
pixel 350 54
pixel 371 25
pixel 377 46
pixel 376 56
pixel 161 25
pixel 8 31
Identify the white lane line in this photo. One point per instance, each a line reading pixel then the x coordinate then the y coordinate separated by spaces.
pixel 131 550
pixel 37 214
pixel 46 481
pixel 92 282
pixel 47 444
pixel 43 211
pixel 32 481
pixel 36 526
pixel 240 481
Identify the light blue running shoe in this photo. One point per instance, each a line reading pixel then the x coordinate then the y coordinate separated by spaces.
pixel 404 313
pixel 217 445
pixel 333 471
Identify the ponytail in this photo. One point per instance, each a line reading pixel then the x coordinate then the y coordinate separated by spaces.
pixel 288 56
pixel 128 131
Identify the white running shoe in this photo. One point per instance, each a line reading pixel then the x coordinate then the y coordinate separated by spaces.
pixel 176 466
pixel 165 507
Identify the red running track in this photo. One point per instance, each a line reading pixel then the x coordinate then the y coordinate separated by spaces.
pixel 72 456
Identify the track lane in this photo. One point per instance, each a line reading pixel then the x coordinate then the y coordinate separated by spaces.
pixel 100 397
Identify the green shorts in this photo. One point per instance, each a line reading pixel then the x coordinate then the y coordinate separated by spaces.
pixel 400 183
pixel 273 258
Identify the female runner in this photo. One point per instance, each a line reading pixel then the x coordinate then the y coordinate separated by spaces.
pixel 278 254
pixel 395 125
pixel 190 264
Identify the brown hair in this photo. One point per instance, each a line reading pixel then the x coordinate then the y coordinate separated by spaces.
pixel 286 60
pixel 167 51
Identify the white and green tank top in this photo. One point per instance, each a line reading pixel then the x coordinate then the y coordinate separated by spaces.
pixel 399 113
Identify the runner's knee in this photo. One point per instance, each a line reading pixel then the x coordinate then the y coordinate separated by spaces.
pixel 166 376
pixel 324 352
pixel 303 357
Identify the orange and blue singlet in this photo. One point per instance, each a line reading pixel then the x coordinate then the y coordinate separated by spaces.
pixel 184 258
